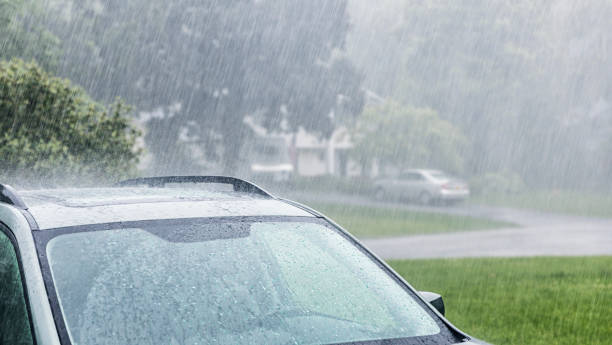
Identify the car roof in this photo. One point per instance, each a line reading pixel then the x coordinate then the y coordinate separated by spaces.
pixel 54 208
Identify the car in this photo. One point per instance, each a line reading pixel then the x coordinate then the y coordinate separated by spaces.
pixel 424 186
pixel 196 260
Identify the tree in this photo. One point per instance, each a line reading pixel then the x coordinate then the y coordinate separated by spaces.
pixel 524 80
pixel 22 35
pixel 217 62
pixel 406 137
pixel 52 131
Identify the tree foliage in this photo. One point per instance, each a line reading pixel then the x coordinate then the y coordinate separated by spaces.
pixel 406 137
pixel 52 131
pixel 214 62
pixel 528 82
pixel 23 35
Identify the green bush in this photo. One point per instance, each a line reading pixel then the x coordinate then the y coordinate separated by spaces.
pixel 52 131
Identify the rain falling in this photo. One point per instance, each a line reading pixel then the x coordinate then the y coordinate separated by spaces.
pixel 466 143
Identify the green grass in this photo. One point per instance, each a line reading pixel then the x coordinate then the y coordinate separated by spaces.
pixel 522 301
pixel 363 221
pixel 566 202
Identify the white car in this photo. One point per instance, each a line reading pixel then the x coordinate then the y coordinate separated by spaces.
pixel 424 186
pixel 146 263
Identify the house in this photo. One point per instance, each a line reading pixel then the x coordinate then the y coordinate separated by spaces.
pixel 313 156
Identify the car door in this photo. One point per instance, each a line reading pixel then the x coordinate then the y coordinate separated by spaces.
pixel 391 186
pixel 15 325
pixel 421 184
pixel 410 184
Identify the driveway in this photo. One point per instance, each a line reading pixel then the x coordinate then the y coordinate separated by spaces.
pixel 539 234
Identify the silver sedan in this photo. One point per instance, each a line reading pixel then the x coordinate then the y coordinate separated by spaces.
pixel 424 186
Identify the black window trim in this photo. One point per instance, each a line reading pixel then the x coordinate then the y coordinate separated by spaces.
pixel 6 230
pixel 448 333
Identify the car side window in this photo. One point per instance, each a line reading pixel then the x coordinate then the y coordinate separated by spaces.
pixel 14 320
pixel 411 176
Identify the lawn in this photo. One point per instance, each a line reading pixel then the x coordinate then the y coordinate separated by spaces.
pixel 522 300
pixel 566 202
pixel 364 221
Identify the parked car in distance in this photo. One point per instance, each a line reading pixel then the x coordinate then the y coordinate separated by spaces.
pixel 423 186
pixel 167 260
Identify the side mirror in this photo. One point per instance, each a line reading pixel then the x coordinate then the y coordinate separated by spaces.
pixel 434 299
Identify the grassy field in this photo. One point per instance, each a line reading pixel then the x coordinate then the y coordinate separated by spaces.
pixel 524 300
pixel 567 202
pixel 363 221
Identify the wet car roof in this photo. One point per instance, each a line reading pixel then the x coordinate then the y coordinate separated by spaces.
pixel 55 208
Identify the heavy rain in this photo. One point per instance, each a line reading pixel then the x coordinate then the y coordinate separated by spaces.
pixel 468 144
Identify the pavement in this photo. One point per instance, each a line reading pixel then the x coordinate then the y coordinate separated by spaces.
pixel 538 233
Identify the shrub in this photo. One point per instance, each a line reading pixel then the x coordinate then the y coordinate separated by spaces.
pixel 52 131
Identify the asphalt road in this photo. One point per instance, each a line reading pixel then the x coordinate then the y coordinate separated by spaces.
pixel 539 234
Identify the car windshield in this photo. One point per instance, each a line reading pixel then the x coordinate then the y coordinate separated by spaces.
pixel 226 282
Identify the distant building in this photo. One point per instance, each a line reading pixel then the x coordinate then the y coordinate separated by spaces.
pixel 315 157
